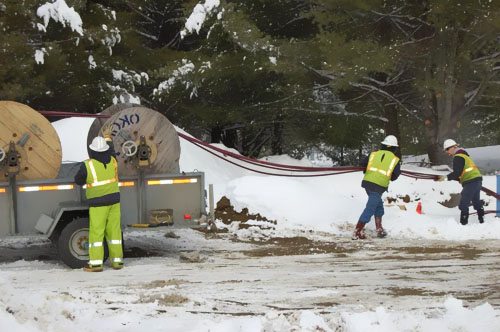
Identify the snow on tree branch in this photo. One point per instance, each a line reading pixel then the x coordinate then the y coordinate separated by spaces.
pixel 198 16
pixel 60 12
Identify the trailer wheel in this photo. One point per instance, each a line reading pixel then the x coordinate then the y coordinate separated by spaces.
pixel 73 244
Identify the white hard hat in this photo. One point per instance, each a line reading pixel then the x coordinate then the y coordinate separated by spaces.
pixel 448 144
pixel 99 144
pixel 390 140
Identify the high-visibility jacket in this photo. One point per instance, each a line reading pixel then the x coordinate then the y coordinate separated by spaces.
pixel 470 170
pixel 380 166
pixel 101 180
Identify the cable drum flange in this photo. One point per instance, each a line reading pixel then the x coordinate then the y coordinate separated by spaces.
pixel 132 123
pixel 34 139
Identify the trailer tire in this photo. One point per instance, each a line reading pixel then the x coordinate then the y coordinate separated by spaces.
pixel 72 244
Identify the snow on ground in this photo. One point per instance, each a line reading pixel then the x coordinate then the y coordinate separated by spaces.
pixel 46 296
pixel 230 290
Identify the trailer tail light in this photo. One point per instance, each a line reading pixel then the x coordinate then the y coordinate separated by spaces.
pixel 47 188
pixel 171 181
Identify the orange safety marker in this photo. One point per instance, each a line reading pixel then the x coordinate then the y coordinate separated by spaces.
pixel 419 208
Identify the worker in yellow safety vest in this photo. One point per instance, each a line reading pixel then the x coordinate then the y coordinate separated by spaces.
pixel 100 176
pixel 381 167
pixel 466 172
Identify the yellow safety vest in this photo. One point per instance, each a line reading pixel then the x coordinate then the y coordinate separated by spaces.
pixel 380 166
pixel 101 180
pixel 470 170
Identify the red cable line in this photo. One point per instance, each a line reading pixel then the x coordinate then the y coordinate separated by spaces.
pixel 282 167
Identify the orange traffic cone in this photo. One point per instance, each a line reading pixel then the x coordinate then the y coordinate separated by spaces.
pixel 419 208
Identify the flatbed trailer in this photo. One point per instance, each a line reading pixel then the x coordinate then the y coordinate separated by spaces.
pixel 57 208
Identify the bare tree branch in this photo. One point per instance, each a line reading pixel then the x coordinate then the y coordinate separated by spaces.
pixel 385 94
pixel 317 111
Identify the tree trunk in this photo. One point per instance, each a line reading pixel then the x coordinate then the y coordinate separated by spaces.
pixel 216 134
pixel 230 138
pixel 392 125
pixel 442 101
pixel 277 139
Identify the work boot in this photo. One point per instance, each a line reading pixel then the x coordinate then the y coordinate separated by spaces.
pixel 480 215
pixel 464 218
pixel 117 266
pixel 359 233
pixel 92 268
pixel 378 226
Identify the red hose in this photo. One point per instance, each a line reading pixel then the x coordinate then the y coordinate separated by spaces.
pixel 265 164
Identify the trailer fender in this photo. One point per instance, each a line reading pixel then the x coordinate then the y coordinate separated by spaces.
pixel 52 226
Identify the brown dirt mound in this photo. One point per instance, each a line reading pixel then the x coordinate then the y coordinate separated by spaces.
pixel 225 212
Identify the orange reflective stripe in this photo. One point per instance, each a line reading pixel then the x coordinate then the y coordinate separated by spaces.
pixel 94 176
pixel 370 161
pixel 381 171
pixel 92 170
pixel 392 166
pixel 100 183
pixel 115 163
pixel 467 170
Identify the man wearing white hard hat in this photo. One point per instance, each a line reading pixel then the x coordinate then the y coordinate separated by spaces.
pixel 466 172
pixel 100 175
pixel 381 167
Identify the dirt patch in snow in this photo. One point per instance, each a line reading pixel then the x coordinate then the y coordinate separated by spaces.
pixel 163 283
pixel 403 291
pixel 136 252
pixel 463 252
pixel 405 199
pixel 299 245
pixel 452 202
pixel 225 212
pixel 167 300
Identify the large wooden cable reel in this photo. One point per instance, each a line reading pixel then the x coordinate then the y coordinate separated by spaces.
pixel 29 141
pixel 133 124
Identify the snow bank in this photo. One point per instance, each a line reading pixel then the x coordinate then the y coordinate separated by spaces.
pixel 330 203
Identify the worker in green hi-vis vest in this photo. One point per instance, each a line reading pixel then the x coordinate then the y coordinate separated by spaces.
pixel 381 167
pixel 466 172
pixel 100 175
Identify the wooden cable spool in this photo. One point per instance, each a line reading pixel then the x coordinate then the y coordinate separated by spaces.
pixel 34 139
pixel 129 123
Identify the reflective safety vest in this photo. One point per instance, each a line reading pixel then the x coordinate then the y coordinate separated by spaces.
pixel 380 166
pixel 101 180
pixel 470 170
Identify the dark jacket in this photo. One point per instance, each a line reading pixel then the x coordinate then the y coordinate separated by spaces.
pixel 370 186
pixel 81 176
pixel 458 168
